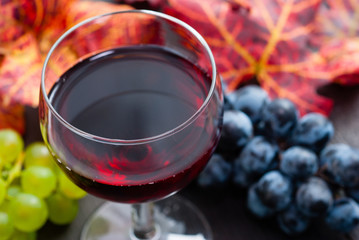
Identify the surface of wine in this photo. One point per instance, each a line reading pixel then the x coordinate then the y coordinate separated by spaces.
pixel 131 94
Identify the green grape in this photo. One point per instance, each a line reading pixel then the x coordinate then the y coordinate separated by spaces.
pixel 28 212
pixel 6 226
pixel 4 207
pixel 2 190
pixel 38 180
pixel 11 145
pixel 69 189
pixel 62 210
pixel 13 190
pixel 37 154
pixel 18 235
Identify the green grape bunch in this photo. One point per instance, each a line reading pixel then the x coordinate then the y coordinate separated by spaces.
pixel 33 190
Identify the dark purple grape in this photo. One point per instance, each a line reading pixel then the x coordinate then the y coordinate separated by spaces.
pixel 274 190
pixel 250 100
pixel 313 131
pixel 216 172
pixel 258 156
pixel 314 197
pixel 241 178
pixel 256 206
pixel 299 163
pixel 292 221
pixel 340 164
pixel 331 150
pixel 344 215
pixel 278 119
pixel 227 104
pixel 236 131
pixel 353 193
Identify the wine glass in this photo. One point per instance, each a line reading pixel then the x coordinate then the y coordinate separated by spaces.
pixel 131 108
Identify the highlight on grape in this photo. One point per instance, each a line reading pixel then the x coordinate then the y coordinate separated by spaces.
pixel 33 190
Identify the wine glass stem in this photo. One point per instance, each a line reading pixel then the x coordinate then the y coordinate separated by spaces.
pixel 143 222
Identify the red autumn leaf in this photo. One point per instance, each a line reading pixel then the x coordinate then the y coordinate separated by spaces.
pixel 337 31
pixel 291 47
pixel 11 113
pixel 267 40
pixel 82 10
pixel 27 31
pixel 34 15
pixel 68 56
pixel 20 71
pixel 103 34
pixel 10 29
pixel 19 77
pixel 12 116
pixel 21 68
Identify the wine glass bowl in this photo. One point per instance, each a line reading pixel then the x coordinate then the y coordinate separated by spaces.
pixel 134 114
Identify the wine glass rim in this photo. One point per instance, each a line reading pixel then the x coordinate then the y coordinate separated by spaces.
pixel 140 140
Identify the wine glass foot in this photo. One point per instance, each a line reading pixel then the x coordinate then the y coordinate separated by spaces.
pixel 176 217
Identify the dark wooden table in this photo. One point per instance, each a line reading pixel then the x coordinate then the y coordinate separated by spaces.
pixel 225 208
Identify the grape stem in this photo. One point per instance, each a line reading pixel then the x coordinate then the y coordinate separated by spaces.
pixel 15 171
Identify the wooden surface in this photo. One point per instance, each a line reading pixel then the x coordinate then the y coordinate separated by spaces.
pixel 225 208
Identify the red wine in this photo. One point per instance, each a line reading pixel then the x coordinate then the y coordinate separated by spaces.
pixel 127 94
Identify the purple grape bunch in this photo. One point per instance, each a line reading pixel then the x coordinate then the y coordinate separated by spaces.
pixel 286 163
